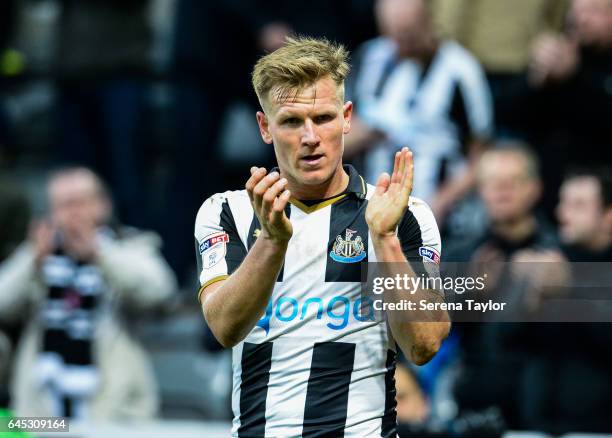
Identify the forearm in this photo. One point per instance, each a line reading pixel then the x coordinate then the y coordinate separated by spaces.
pixel 233 309
pixel 421 333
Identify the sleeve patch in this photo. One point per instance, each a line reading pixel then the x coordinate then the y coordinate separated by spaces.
pixel 213 248
pixel 429 254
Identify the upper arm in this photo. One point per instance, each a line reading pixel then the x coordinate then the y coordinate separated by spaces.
pixel 219 250
pixel 420 239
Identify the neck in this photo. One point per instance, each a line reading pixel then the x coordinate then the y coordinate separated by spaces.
pixel 334 186
pixel 516 230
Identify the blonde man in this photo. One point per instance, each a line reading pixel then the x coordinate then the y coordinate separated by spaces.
pixel 280 263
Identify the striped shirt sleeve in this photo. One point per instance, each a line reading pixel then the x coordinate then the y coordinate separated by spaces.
pixel 420 239
pixel 219 250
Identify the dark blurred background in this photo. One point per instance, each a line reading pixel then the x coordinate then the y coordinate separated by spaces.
pixel 507 105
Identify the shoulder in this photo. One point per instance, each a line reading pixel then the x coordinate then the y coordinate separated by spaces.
pixel 462 61
pixel 128 237
pixel 422 214
pixel 215 204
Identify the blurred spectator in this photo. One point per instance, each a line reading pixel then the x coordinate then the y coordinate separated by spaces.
pixel 103 54
pixel 585 215
pixel 412 406
pixel 569 370
pixel 500 34
pixel 69 282
pixel 573 75
pixel 411 88
pixel 509 185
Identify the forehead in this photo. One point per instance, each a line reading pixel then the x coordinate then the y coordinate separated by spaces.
pixel 584 187
pixel 503 163
pixel 71 186
pixel 323 94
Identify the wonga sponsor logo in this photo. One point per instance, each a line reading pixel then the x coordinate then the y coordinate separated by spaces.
pixel 337 311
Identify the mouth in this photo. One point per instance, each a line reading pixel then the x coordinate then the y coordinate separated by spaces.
pixel 312 159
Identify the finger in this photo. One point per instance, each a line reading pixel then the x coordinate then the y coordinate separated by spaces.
pixel 263 183
pixel 396 165
pixel 255 177
pixel 407 176
pixel 270 195
pixel 258 177
pixel 382 185
pixel 278 209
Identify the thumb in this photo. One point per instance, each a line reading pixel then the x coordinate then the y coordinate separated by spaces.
pixel 382 185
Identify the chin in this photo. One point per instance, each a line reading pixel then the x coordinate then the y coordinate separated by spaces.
pixel 314 177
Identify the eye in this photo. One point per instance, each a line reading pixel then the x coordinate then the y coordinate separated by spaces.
pixel 323 118
pixel 291 121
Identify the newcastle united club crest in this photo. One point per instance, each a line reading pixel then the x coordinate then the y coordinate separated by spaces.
pixel 347 250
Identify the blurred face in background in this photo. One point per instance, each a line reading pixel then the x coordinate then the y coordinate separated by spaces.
pixel 307 131
pixel 408 24
pixel 76 200
pixel 581 213
pixel 592 22
pixel 507 187
pixel 412 407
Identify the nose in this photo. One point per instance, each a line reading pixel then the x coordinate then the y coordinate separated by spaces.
pixel 309 135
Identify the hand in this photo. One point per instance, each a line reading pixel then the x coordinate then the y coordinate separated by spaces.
pixel 80 240
pixel 390 201
pixel 554 59
pixel 546 272
pixel 41 237
pixel 269 198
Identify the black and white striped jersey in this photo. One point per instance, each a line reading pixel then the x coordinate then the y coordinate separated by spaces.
pixel 313 365
pixel 432 108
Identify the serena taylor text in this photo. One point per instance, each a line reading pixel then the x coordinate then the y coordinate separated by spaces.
pixel 426 305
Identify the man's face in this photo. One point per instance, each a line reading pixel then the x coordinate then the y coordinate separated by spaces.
pixel 580 210
pixel 307 132
pixel 75 201
pixel 592 20
pixel 506 188
pixel 407 23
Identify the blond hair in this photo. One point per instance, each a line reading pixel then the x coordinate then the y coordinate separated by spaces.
pixel 299 63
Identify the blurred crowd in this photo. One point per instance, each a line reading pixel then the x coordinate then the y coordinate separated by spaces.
pixel 119 116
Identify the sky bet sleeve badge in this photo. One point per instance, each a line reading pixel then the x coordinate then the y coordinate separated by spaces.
pixel 347 250
pixel 429 254
pixel 212 249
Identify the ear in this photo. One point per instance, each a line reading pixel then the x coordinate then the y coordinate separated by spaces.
pixel 607 220
pixel 262 121
pixel 347 111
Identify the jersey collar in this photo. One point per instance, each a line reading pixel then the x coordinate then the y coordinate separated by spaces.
pixel 356 186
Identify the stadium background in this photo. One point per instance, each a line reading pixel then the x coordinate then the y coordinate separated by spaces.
pixel 154 95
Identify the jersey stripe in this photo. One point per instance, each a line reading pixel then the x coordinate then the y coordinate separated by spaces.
pixel 346 214
pixel 256 363
pixel 328 389
pixel 235 249
pixel 390 417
